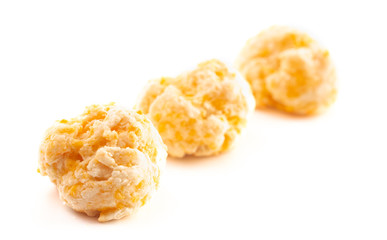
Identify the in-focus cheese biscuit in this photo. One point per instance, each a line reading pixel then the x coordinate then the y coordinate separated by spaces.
pixel 288 70
pixel 199 112
pixel 105 162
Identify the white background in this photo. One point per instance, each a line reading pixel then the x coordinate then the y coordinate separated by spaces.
pixel 288 177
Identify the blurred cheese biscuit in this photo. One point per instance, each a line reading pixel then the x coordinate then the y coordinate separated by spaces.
pixel 288 70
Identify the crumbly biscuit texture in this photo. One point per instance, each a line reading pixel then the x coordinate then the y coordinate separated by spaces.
pixel 288 70
pixel 105 162
pixel 199 112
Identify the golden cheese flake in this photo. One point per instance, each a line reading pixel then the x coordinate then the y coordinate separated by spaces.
pixel 118 195
pixel 73 190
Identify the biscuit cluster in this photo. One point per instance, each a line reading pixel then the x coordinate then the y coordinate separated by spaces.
pixel 107 162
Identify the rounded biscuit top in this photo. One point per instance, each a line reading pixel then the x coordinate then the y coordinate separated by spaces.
pixel 200 112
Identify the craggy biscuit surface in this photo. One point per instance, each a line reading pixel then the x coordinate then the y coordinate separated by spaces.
pixel 288 70
pixel 106 161
pixel 199 112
